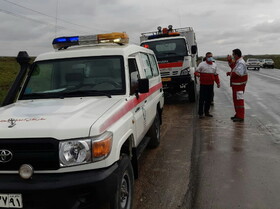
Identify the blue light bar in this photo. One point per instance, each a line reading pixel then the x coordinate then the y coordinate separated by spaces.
pixel 64 42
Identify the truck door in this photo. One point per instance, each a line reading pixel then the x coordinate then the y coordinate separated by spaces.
pixel 138 110
pixel 150 102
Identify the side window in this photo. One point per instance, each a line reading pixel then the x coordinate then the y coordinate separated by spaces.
pixel 133 74
pixel 154 65
pixel 146 65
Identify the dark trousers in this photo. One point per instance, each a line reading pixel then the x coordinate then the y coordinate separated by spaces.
pixel 205 98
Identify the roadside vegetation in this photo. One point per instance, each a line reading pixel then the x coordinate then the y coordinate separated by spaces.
pixel 276 58
pixel 8 71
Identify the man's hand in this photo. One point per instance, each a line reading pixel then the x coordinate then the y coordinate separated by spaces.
pixel 229 59
pixel 228 73
pixel 218 85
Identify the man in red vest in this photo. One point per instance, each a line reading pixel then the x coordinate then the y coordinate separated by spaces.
pixel 238 80
pixel 207 72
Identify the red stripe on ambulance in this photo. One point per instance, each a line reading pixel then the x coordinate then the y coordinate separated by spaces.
pixel 129 106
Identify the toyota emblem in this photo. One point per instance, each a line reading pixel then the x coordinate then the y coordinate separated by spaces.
pixel 5 156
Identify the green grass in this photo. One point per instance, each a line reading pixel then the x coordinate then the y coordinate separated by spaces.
pixel 9 69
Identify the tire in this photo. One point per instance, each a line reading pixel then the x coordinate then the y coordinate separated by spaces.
pixel 124 195
pixel 191 92
pixel 154 133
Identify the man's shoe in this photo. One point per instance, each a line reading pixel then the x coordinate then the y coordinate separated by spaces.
pixel 208 115
pixel 201 116
pixel 237 119
pixel 233 117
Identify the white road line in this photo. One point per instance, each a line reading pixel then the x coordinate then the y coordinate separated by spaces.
pixel 262 105
pixel 278 79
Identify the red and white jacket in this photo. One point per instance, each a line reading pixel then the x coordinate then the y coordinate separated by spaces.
pixel 238 74
pixel 207 73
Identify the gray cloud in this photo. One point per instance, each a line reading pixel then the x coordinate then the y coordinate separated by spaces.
pixel 220 26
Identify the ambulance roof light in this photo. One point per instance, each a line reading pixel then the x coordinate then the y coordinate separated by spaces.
pixel 65 42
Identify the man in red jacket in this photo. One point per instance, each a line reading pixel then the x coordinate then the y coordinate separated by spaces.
pixel 238 80
pixel 207 72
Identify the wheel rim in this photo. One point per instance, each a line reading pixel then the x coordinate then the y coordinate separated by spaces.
pixel 125 191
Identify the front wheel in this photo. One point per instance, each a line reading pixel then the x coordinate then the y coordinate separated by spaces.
pixel 124 195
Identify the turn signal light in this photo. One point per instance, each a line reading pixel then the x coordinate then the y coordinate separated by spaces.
pixel 101 149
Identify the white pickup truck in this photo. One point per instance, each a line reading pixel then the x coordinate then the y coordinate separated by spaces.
pixel 75 122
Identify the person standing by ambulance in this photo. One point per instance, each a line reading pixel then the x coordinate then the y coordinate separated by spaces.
pixel 207 72
pixel 238 80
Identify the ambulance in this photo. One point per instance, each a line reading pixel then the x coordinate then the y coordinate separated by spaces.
pixel 75 122
pixel 176 52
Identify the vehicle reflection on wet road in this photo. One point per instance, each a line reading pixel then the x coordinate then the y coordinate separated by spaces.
pixel 239 163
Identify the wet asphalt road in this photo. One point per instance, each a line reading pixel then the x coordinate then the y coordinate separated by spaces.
pixel 239 163
pixel 164 171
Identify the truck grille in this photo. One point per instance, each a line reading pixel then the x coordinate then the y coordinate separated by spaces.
pixel 164 74
pixel 175 73
pixel 42 154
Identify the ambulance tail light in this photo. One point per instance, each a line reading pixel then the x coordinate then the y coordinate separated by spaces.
pixel 65 42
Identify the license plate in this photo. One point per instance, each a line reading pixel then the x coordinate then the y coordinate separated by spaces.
pixel 166 79
pixel 10 201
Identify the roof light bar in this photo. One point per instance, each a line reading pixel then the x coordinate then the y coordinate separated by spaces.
pixel 65 42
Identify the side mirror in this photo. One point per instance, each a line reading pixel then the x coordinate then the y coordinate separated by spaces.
pixel 194 49
pixel 143 85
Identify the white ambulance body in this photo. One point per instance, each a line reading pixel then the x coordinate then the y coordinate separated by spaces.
pixel 72 132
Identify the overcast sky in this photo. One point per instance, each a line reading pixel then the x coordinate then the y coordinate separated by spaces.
pixel 220 25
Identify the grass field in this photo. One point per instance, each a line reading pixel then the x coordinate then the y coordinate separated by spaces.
pixel 9 69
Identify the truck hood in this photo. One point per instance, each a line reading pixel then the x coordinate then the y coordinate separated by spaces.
pixel 53 118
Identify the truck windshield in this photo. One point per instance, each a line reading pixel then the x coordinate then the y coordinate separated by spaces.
pixel 75 77
pixel 168 48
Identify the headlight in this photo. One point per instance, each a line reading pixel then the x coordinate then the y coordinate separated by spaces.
pixel 82 151
pixel 75 152
pixel 185 71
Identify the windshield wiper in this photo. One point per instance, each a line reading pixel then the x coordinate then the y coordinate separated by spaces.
pixel 85 93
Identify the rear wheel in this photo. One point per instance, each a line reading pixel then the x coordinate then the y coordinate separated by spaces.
pixel 124 195
pixel 154 133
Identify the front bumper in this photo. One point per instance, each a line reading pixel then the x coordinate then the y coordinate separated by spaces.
pixel 83 189
pixel 175 81
pixel 253 66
